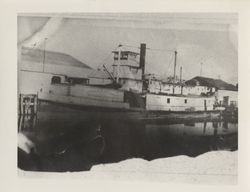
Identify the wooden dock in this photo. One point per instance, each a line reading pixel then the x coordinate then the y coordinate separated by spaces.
pixel 27 104
pixel 27 109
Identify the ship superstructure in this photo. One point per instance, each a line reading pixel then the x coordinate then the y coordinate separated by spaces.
pixel 127 88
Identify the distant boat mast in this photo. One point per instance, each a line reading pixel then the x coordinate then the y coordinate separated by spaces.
pixel 175 60
pixel 180 74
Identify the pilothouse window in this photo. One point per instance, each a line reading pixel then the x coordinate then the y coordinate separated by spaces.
pixel 124 56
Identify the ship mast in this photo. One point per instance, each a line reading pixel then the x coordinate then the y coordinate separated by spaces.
pixel 181 80
pixel 175 58
pixel 180 74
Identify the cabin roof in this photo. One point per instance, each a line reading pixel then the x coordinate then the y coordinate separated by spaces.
pixel 129 52
pixel 209 82
pixel 51 57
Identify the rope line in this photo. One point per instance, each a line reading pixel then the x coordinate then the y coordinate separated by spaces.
pixel 171 59
pixel 131 46
pixel 104 61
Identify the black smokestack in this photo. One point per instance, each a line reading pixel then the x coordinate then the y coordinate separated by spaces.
pixel 142 58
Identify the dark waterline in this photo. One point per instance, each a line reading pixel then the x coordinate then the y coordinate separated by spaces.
pixel 78 145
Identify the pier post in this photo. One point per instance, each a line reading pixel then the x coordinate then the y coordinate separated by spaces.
pixel 27 109
pixel 35 104
pixel 20 123
pixel 205 105
pixel 21 104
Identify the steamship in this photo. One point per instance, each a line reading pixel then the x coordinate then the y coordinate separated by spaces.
pixel 126 92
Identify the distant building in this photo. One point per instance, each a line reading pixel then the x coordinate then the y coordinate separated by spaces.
pixel 53 62
pixel 225 93
pixel 39 68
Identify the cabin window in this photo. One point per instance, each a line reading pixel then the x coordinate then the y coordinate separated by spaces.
pixel 56 80
pixel 225 100
pixel 185 101
pixel 168 100
pixel 74 80
pixel 233 103
pixel 133 57
pixel 134 70
pixel 124 56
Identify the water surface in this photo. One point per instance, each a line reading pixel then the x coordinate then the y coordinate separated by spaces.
pixel 78 145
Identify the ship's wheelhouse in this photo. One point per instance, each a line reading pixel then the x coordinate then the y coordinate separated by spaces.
pixel 127 58
pixel 127 71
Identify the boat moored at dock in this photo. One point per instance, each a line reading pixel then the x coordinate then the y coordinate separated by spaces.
pixel 128 93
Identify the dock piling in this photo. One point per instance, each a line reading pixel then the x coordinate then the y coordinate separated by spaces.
pixel 27 109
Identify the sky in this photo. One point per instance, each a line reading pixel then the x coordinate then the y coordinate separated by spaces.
pixel 207 40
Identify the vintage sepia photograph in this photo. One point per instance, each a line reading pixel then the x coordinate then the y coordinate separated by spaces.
pixel 142 96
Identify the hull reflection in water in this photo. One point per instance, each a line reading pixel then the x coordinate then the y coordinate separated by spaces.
pixel 78 145
pixel 151 141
